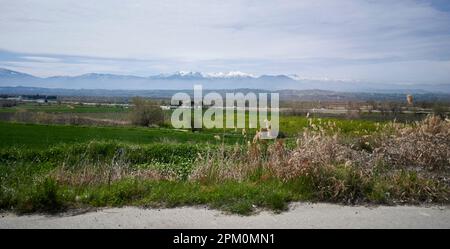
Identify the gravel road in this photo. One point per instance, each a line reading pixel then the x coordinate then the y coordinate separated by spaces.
pixel 300 215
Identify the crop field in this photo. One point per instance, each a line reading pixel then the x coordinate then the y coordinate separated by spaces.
pixel 38 136
pixel 46 167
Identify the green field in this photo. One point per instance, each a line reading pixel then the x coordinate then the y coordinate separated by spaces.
pixel 290 125
pixel 42 136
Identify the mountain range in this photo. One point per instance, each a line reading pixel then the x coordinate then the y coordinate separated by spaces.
pixel 185 80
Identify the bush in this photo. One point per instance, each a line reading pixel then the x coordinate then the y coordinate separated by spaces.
pixel 42 197
pixel 146 112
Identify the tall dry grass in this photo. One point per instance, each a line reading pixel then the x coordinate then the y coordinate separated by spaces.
pixel 423 146
pixel 224 164
pixel 401 164
pixel 91 173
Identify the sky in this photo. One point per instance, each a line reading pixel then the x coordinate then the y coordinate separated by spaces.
pixel 402 41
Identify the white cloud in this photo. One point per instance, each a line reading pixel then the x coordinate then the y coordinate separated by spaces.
pixel 41 58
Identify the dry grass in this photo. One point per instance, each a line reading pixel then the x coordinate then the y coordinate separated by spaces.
pixel 314 150
pixel 223 165
pixel 88 173
pixel 423 146
pixel 406 164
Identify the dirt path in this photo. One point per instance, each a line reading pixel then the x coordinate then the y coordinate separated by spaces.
pixel 300 216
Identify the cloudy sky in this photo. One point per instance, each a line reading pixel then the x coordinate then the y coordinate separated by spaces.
pixel 402 41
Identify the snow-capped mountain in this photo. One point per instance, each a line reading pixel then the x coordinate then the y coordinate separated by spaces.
pixel 185 80
pixel 179 75
pixel 232 74
pixel 200 75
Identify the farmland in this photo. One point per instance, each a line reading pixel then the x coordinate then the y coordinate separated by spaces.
pixel 43 136
pixel 52 167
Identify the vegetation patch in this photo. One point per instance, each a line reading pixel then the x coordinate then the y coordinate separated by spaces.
pixel 394 164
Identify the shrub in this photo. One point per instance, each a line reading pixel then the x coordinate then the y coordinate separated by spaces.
pixel 146 112
pixel 425 145
pixel 42 197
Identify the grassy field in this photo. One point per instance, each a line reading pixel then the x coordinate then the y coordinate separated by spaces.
pixel 52 168
pixel 42 136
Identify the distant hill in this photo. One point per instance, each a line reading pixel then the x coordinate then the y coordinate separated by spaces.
pixel 14 77
pixel 186 80
pixel 285 95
